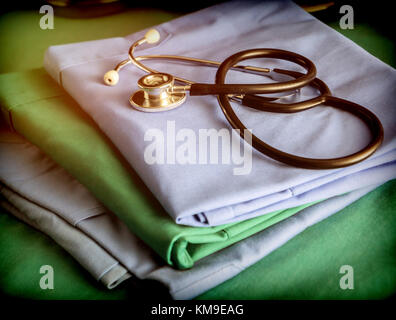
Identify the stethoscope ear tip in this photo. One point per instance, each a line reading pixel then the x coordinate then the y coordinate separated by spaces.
pixel 152 36
pixel 111 78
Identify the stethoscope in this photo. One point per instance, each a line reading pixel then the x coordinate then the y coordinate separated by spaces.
pixel 158 92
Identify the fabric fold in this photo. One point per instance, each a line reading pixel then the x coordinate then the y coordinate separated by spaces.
pixel 100 264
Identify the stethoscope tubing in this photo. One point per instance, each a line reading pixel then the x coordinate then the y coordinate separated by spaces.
pixel 259 88
pixel 369 118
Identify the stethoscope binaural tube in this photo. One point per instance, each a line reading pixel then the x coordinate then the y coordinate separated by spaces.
pixel 259 88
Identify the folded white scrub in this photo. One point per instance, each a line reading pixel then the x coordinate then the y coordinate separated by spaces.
pixel 35 189
pixel 201 194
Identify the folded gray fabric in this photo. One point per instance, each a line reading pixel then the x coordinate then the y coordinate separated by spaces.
pixel 45 196
pixel 98 262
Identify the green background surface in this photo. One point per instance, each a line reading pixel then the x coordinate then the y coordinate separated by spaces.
pixel 307 267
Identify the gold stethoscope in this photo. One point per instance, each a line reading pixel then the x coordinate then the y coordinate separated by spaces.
pixel 158 92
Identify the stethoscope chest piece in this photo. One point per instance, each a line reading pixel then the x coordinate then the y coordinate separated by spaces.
pixel 156 94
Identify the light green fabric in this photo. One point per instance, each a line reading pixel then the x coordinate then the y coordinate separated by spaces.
pixel 42 112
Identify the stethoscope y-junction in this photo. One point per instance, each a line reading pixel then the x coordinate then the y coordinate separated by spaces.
pixel 159 92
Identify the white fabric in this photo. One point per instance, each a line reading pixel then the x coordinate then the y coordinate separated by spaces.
pixel 202 195
pixel 48 198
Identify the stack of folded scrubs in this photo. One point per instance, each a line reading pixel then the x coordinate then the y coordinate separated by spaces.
pixel 83 179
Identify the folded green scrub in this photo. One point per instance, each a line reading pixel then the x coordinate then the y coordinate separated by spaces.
pixel 35 106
